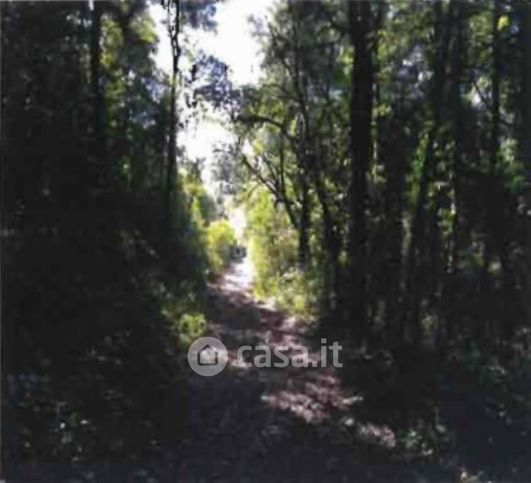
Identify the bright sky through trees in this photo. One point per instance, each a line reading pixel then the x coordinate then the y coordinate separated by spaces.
pixel 233 44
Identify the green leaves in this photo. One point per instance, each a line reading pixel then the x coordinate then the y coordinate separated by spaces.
pixel 503 22
pixel 220 239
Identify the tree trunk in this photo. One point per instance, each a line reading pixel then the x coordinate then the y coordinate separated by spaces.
pixel 412 297
pixel 99 171
pixel 173 10
pixel 449 298
pixel 304 223
pixel 526 148
pixel 394 153
pixel 361 101
pixel 492 201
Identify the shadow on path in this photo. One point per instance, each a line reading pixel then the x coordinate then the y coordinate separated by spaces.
pixel 279 424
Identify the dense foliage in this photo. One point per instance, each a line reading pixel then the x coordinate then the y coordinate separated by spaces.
pixel 387 151
pixel 389 134
pixel 103 250
pixel 384 164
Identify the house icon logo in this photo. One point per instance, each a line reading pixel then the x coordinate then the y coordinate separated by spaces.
pixel 207 356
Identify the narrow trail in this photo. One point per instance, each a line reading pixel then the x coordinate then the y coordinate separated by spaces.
pixel 275 424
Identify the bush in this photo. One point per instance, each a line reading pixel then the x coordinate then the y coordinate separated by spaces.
pixel 220 238
pixel 273 250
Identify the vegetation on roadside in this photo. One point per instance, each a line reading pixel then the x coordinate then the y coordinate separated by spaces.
pixel 272 246
pixel 384 162
pixel 104 235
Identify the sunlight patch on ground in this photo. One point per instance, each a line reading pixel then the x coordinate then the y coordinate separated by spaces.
pixel 239 277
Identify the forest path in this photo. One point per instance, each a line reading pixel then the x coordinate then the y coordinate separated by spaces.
pixel 275 424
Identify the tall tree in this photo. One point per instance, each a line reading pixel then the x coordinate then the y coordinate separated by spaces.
pixel 458 66
pixel 173 14
pixel 526 146
pixel 412 296
pixel 361 105
pixel 492 182
pixel 101 171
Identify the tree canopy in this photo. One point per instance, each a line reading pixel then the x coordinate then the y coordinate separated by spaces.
pixel 383 163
